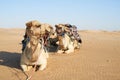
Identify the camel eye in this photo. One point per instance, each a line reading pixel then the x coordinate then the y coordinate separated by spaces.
pixel 38 26
pixel 28 27
pixel 59 28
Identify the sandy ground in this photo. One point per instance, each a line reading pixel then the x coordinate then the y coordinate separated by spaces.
pixel 97 59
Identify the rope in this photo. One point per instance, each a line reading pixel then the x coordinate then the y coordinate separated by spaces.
pixel 35 66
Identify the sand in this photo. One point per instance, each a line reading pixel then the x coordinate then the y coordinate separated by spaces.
pixel 97 59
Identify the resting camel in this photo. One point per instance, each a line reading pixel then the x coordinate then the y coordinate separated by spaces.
pixel 35 54
pixel 66 40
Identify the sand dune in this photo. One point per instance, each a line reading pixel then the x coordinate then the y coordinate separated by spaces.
pixel 97 59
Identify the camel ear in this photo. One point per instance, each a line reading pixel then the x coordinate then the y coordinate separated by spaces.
pixel 56 26
pixel 50 28
pixel 29 24
pixel 67 29
pixel 63 28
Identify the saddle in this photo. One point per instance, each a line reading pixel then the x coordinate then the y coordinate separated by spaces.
pixel 73 33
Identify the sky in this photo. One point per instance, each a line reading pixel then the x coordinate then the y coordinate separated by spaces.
pixel 85 14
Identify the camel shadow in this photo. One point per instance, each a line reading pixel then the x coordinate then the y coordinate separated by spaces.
pixel 10 59
pixel 52 48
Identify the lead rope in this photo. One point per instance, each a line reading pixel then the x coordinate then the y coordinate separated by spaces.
pixel 33 71
pixel 34 68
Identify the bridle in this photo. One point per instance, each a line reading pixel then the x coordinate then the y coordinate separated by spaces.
pixel 39 41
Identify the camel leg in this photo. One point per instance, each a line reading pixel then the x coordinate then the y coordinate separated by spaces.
pixel 26 67
pixel 60 51
pixel 70 49
pixel 43 66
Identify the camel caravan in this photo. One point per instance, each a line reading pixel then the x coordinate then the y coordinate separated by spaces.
pixel 42 38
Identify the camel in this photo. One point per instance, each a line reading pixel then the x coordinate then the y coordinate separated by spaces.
pixel 35 53
pixel 66 41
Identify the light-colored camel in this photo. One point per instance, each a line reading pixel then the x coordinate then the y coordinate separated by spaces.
pixel 66 45
pixel 35 53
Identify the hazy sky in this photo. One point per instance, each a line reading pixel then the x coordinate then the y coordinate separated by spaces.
pixel 86 14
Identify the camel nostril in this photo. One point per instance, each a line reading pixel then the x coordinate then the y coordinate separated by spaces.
pixel 52 33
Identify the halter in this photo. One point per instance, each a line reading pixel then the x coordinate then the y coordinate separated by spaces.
pixel 39 41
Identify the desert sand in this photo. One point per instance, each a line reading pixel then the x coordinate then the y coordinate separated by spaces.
pixel 97 59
